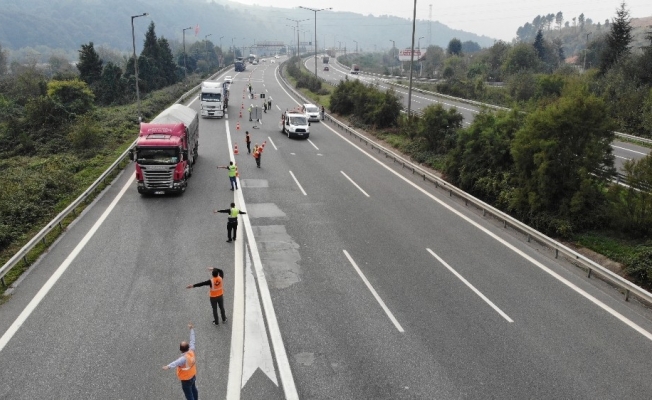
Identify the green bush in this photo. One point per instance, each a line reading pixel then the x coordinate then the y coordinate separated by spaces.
pixel 639 266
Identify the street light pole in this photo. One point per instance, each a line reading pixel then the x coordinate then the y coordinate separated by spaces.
pixel 133 41
pixel 393 46
pixel 316 11
pixel 297 21
pixel 420 62
pixel 356 46
pixel 586 51
pixel 219 61
pixel 185 67
pixel 414 21
pixel 206 45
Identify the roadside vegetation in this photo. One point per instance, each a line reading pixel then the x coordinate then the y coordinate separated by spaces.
pixel 59 133
pixel 548 161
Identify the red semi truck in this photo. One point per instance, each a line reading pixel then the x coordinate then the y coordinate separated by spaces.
pixel 166 150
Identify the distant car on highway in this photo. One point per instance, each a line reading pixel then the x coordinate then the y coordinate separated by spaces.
pixel 326 68
pixel 228 79
pixel 273 61
pixel 311 111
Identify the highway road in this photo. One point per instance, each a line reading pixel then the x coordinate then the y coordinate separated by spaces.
pixel 350 279
pixel 622 151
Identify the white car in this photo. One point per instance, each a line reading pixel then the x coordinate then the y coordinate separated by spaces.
pixel 276 56
pixel 273 61
pixel 228 79
pixel 311 111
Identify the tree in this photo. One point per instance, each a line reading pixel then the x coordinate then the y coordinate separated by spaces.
pixel 90 64
pixel 167 65
pixel 111 85
pixel 73 97
pixel 439 126
pixel 618 40
pixel 562 156
pixel 521 57
pixel 470 47
pixel 150 45
pixel 632 205
pixel 581 21
pixel 539 45
pixel 559 19
pixel 3 61
pixel 455 47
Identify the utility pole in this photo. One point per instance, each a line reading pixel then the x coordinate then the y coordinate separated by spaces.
pixel 133 39
pixel 586 51
pixel 316 11
pixel 185 67
pixel 297 21
pixel 414 27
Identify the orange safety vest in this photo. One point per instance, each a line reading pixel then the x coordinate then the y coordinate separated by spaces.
pixel 190 369
pixel 216 289
pixel 256 153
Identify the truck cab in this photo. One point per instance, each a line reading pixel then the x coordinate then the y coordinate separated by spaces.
pixel 212 99
pixel 294 123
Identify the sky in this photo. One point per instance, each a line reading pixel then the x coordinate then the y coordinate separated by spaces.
pixel 497 19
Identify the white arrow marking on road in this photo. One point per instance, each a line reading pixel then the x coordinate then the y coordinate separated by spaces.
pixel 257 353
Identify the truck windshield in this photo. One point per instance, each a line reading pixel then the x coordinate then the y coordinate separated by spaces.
pixel 158 156
pixel 211 97
pixel 298 121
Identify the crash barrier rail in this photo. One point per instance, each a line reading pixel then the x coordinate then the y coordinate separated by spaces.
pixel 591 267
pixel 57 222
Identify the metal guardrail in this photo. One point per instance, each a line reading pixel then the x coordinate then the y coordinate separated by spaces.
pixel 574 257
pixel 40 237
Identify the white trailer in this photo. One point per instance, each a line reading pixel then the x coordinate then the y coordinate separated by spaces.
pixel 212 99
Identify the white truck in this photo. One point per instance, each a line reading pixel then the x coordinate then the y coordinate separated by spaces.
pixel 213 99
pixel 294 123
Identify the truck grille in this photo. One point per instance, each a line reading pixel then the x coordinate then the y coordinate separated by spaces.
pixel 158 179
pixel 300 130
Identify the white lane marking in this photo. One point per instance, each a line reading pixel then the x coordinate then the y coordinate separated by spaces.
pixel 467 283
pixel 272 142
pixel 298 184
pixel 40 295
pixel 376 296
pixel 354 184
pixel 630 150
pixel 555 275
pixel 622 158
pixel 313 145
pixel 237 318
pixel 257 353
pixel 279 108
pixel 284 371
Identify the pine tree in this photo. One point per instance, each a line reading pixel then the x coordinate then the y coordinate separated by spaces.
pixel 618 40
pixel 90 65
pixel 167 65
pixel 150 46
pixel 539 45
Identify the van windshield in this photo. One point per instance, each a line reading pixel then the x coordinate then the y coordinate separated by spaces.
pixel 156 156
pixel 211 97
pixel 312 109
pixel 298 121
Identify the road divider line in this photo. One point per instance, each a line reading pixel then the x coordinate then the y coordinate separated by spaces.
pixel 505 243
pixel 298 184
pixel 354 184
pixel 40 295
pixel 630 150
pixel 313 145
pixel 467 283
pixel 374 293
pixel 272 142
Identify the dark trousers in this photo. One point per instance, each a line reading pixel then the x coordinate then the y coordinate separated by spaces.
pixel 218 302
pixel 232 226
pixel 190 389
pixel 248 147
pixel 258 160
pixel 234 182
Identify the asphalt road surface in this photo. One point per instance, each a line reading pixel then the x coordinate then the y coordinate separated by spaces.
pixel 350 279
pixel 622 151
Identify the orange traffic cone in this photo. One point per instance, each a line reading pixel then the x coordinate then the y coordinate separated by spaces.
pixel 237 126
pixel 264 143
pixel 237 173
pixel 235 150
pixel 240 113
pixel 242 106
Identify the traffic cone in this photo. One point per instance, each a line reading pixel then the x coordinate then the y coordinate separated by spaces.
pixel 264 143
pixel 237 126
pixel 242 106
pixel 240 113
pixel 237 173
pixel 235 150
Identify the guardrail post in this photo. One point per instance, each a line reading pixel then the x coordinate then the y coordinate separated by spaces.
pixel 589 274
pixel 505 223
pixel 556 253
pixel 450 193
pixel 25 260
pixel 626 294
pixel 484 212
pixel 3 281
pixel 43 241
pixel 528 238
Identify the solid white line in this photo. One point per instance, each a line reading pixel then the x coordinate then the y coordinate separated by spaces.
pixel 298 184
pixel 272 142
pixel 40 295
pixel 354 184
pixel 236 357
pixel 555 275
pixel 624 158
pixel 467 283
pixel 626 149
pixel 313 145
pixel 371 289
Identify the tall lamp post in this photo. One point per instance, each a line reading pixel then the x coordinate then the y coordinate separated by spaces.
pixel 206 43
pixel 393 47
pixel 414 22
pixel 356 46
pixel 219 61
pixel 420 62
pixel 316 11
pixel 587 49
pixel 185 67
pixel 133 40
pixel 297 21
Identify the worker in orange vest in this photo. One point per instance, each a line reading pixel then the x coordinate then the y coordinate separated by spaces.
pixel 215 292
pixel 258 152
pixel 186 366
